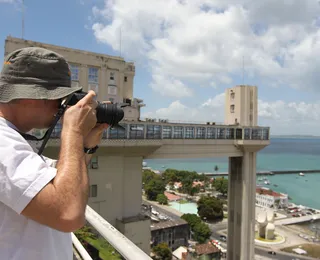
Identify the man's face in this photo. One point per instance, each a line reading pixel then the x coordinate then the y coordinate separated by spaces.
pixel 39 113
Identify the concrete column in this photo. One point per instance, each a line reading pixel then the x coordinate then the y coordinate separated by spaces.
pixel 119 181
pixel 241 205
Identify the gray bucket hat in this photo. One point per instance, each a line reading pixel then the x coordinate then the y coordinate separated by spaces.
pixel 35 73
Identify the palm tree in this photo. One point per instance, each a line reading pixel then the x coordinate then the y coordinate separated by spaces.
pixel 216 168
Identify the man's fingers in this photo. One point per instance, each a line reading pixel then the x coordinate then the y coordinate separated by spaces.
pixel 87 99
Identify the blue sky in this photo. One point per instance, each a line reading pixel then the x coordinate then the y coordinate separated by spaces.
pixel 188 52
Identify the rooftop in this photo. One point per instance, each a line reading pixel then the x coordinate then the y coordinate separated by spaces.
pixel 19 40
pixel 205 249
pixel 264 191
pixel 172 197
pixel 168 224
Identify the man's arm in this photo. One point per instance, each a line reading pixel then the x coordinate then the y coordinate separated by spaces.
pixel 61 204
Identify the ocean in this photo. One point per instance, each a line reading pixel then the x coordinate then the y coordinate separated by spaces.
pixel 281 154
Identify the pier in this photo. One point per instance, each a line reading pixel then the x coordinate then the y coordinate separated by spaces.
pixel 266 172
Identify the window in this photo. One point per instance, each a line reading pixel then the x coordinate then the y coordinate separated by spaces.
pixel 111 75
pixel 118 133
pixel 201 133
pixel 232 109
pixel 93 75
pixel 74 72
pixel 94 163
pixel 211 133
pixel 232 95
pixel 112 90
pixel 153 132
pixel 166 132
pixel 93 191
pixel 95 88
pixel 125 78
pixel 136 132
pixel 178 132
pixel 189 132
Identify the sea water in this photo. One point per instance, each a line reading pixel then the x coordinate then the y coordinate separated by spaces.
pixel 281 154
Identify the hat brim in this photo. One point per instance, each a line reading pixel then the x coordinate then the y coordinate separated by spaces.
pixel 9 92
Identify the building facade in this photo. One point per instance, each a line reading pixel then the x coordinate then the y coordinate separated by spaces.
pixel 270 199
pixel 110 77
pixel 241 105
pixel 174 233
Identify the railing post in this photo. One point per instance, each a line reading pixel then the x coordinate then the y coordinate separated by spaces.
pixel 145 131
pixel 128 131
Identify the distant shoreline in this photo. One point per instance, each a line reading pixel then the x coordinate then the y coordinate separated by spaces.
pixel 295 136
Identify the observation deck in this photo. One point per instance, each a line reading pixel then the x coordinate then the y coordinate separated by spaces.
pixel 177 140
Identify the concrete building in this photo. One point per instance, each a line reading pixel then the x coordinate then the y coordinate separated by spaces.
pixel 270 199
pixel 111 78
pixel 115 171
pixel 174 232
pixel 241 105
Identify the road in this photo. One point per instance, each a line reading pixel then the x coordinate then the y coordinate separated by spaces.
pixel 259 252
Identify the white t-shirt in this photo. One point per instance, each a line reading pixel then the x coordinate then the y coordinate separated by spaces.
pixel 23 173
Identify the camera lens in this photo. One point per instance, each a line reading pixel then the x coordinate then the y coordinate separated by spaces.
pixel 110 114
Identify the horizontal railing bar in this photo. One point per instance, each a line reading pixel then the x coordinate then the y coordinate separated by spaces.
pixel 120 242
pixel 81 250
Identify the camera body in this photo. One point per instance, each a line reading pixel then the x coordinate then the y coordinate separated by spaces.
pixel 107 113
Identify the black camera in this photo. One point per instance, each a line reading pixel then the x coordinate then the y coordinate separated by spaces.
pixel 107 113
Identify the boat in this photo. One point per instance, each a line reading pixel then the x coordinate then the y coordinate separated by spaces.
pixel 301 174
pixel 267 182
pixel 275 185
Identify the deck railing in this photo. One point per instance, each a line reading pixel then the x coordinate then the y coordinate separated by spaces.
pixel 125 247
pixel 160 131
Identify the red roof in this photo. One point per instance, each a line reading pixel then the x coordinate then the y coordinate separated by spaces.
pixel 172 197
pixel 267 192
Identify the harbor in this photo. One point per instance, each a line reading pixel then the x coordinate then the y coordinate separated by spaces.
pixel 300 172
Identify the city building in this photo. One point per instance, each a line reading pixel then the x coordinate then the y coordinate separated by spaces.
pixel 166 227
pixel 270 199
pixel 110 77
pixel 116 169
pixel 174 233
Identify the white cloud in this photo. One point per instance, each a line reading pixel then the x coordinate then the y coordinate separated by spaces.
pixel 196 40
pixel 282 117
pixel 187 44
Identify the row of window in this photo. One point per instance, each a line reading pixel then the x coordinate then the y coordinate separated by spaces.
pixel 93 74
pixel 179 132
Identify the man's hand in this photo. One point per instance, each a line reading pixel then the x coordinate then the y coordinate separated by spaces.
pixel 94 136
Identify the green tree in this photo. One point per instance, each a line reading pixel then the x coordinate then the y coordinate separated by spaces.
pixel 162 252
pixel 162 199
pixel 210 208
pixel 147 176
pixel 221 185
pixel 154 187
pixel 192 219
pixel 216 168
pixel 201 232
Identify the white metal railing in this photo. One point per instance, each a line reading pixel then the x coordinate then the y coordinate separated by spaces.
pixel 79 247
pixel 120 242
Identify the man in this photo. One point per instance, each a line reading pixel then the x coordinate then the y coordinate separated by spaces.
pixel 40 203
